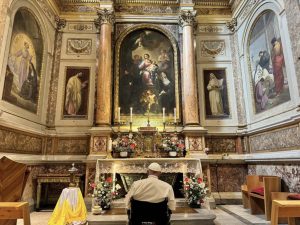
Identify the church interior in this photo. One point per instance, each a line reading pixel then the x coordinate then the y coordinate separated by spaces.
pixel 93 91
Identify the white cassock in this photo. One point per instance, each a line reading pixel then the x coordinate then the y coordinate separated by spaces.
pixel 151 190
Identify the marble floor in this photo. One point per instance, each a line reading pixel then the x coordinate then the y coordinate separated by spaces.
pixel 226 215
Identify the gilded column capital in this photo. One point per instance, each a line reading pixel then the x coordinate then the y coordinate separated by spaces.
pixel 60 23
pixel 187 17
pixel 232 24
pixel 105 16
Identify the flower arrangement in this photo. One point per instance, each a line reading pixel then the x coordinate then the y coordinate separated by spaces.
pixel 173 143
pixel 125 143
pixel 103 193
pixel 195 191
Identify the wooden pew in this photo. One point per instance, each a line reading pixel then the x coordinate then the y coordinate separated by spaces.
pixel 261 204
pixel 282 196
pixel 15 210
pixel 13 178
pixel 285 208
pixel 245 196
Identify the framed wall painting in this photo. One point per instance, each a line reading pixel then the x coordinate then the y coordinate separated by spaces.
pixel 76 93
pixel 23 70
pixel 146 74
pixel 270 86
pixel 216 93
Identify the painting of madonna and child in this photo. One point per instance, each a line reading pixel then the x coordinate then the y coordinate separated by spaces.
pixel 147 79
pixel 268 68
pixel 23 71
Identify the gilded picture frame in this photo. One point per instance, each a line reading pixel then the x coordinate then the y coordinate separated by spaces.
pixel 76 92
pixel 268 83
pixel 159 44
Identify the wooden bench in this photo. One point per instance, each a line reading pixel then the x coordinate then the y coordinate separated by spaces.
pixel 15 210
pixel 245 196
pixel 285 208
pixel 261 204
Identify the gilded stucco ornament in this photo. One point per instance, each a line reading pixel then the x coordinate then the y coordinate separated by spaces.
pixel 187 18
pixel 60 23
pixel 105 16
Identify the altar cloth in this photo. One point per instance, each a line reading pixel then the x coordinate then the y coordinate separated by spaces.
pixel 70 208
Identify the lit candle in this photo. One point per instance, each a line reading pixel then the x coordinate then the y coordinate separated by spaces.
pixel 175 115
pixel 164 119
pixel 119 115
pixel 130 114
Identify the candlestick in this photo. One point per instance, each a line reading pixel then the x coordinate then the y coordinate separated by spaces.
pixel 175 115
pixel 119 115
pixel 130 114
pixel 164 119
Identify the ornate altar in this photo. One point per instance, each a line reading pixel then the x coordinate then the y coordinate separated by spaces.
pixel 148 142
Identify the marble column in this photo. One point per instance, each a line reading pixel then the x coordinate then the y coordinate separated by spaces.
pixel 104 81
pixel 189 80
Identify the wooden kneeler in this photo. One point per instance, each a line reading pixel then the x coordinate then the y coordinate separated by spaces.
pixel 15 210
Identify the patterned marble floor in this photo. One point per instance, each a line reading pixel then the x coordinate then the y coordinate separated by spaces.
pixel 226 215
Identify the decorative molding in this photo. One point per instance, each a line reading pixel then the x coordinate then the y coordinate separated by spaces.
pixel 80 27
pixel 212 48
pixel 232 24
pixel 281 139
pixel 79 46
pixel 54 81
pixel 219 3
pixel 46 9
pixel 148 2
pixel 15 141
pixel 214 11
pixel 99 144
pixel 195 144
pixel 73 146
pixel 60 23
pixel 246 9
pixel 187 18
pixel 211 28
pixel 239 90
pixel 105 16
pixel 143 9
pixel 79 8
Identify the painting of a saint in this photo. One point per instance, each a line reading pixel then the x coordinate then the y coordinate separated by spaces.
pixel 23 71
pixel 146 73
pixel 76 92
pixel 216 98
pixel 270 84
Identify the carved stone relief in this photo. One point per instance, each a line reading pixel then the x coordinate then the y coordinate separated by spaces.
pixel 212 48
pixel 276 140
pixel 79 46
pixel 211 28
pixel 14 141
pixel 72 146
pixel 221 145
pixel 195 144
pixel 99 145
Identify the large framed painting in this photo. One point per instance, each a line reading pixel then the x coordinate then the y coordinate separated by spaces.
pixel 76 93
pixel 267 63
pixel 23 71
pixel 216 93
pixel 146 74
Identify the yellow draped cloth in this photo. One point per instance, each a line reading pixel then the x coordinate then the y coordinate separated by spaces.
pixel 70 208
